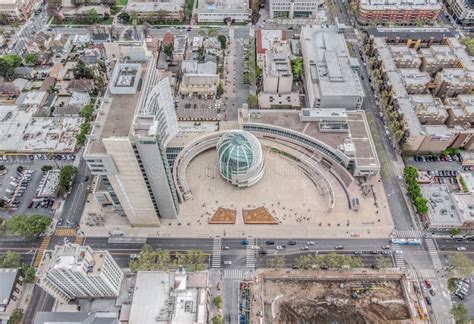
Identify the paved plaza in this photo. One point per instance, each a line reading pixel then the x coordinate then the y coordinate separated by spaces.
pixel 301 206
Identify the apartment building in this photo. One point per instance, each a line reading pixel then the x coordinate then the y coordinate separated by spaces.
pixel 157 9
pixel 452 82
pixel 463 11
pixel 265 37
pixel 294 8
pixel 330 72
pixel 400 12
pixel 127 151
pixel 222 11
pixel 74 271
pixel 427 103
pixel 277 74
pixel 16 9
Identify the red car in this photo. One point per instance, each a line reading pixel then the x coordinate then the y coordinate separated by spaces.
pixel 427 284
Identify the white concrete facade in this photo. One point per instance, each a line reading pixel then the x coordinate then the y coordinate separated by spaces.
pixel 294 8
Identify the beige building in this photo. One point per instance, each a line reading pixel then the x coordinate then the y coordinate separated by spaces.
pixel 277 74
pixel 452 82
pixel 198 78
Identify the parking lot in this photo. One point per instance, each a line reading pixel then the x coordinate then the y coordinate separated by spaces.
pixel 199 108
pixel 434 163
pixel 20 180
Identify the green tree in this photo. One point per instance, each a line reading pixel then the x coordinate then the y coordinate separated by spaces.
pixel 421 205
pixel 382 262
pixel 223 40
pixel 201 54
pixel 460 314
pixel 124 17
pixel 217 319
pixel 66 175
pixel 461 265
pixel 297 68
pixel 217 301
pixel 30 59
pixel 91 16
pixel 455 231
pixel 16 316
pixel 151 260
pixel 168 50
pixel 252 101
pixel 82 71
pixel 28 273
pixel 188 9
pixel 469 43
pixel 219 90
pixel 8 63
pixel 10 260
pixel 192 260
pixel 276 262
pixel 28 226
pixel 46 168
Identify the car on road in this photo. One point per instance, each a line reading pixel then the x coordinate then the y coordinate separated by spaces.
pixel 225 247
pixel 385 247
pixel 279 247
pixel 310 243
pixel 245 242
pixel 432 292
pixel 398 252
pixel 427 284
pixel 461 248
pixel 304 248
pixel 358 252
pixel 386 252
pixel 428 300
pixel 291 242
pixel 134 256
pixel 270 242
pixel 339 247
pixel 254 247
pixel 374 252
pixel 228 262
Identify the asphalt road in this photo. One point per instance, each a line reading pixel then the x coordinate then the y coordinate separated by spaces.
pixel 40 302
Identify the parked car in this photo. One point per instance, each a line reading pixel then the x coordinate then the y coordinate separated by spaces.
pixel 339 247
pixel 358 252
pixel 291 242
pixel 269 242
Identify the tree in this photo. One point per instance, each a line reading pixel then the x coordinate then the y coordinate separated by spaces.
pixel 217 319
pixel 124 17
pixel 91 16
pixel 455 231
pixel 188 8
pixel 10 260
pixel 252 101
pixel 223 40
pixel 219 90
pixel 28 273
pixel 66 175
pixel 30 59
pixel 16 316
pixel 461 265
pixel 8 63
pixel 192 260
pixel 168 50
pixel 276 262
pixel 28 226
pixel 297 68
pixel 201 54
pixel 82 71
pixel 421 205
pixel 46 168
pixel 217 301
pixel 460 314
pixel 382 262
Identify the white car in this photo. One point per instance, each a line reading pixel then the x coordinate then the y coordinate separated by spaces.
pixel 134 256
pixel 254 247
pixel 310 243
pixel 398 252
pixel 279 247
pixel 461 248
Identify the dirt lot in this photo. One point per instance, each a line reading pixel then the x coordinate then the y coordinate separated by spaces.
pixel 314 301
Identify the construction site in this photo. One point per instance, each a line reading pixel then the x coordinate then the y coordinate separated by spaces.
pixel 331 297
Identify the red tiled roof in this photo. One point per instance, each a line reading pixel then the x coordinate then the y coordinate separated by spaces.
pixel 168 38
pixel 260 49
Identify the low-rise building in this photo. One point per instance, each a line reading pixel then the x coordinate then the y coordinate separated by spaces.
pixel 277 74
pixel 76 318
pixel 222 11
pixel 401 12
pixel 198 78
pixel 452 82
pixel 174 298
pixel 13 10
pixel 157 9
pixel 50 185
pixel 179 47
pixel 294 8
pixel 330 72
pixel 9 292
pixel 265 37
pixel 74 12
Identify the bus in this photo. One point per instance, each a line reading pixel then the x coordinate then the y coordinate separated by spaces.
pixel 401 241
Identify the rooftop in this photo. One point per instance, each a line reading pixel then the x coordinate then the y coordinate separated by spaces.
pixel 223 6
pixel 330 66
pixel 400 4
pixel 267 36
pixel 277 62
pixel 75 318
pixel 156 5
pixel 7 283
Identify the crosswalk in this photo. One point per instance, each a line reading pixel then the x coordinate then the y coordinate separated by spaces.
pixel 422 273
pixel 43 246
pixel 216 252
pixel 434 254
pixel 250 254
pixel 399 259
pixel 65 231
pixel 409 233
pixel 233 274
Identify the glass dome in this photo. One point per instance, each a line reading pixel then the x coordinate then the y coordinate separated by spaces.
pixel 240 158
